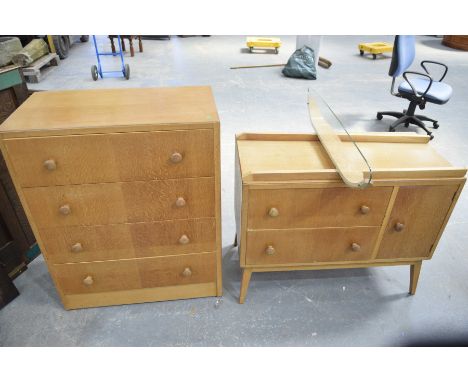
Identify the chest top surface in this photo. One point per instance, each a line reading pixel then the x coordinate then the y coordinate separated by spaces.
pixel 56 112
pixel 277 157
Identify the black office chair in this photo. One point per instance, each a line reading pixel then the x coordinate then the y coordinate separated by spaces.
pixel 419 90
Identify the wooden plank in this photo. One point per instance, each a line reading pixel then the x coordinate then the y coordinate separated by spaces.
pixel 348 161
pixel 37 65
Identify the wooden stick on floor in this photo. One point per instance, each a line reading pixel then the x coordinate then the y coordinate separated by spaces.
pixel 323 62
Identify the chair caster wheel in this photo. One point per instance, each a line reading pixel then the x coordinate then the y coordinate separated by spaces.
pixel 374 56
pixel 406 124
pixel 391 129
pixel 431 137
pixel 361 52
pixel 436 125
pixel 379 116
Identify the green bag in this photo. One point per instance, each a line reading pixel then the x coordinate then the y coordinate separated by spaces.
pixel 301 64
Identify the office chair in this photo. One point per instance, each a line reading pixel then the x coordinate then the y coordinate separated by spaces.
pixel 419 90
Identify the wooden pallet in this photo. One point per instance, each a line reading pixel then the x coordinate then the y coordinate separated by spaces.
pixel 41 67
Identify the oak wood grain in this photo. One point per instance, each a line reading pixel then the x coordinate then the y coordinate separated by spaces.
pixel 421 210
pixel 131 202
pixel 118 275
pixel 82 111
pixel 310 245
pixel 321 207
pixel 127 241
pixel 120 157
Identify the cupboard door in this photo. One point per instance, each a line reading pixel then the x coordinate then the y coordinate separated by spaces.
pixel 415 221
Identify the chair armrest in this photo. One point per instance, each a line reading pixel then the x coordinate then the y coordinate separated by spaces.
pixel 435 63
pixel 405 76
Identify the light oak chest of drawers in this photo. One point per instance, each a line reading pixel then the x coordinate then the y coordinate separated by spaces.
pixel 294 212
pixel 122 189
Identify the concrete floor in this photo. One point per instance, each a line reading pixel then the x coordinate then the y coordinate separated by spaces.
pixel 361 307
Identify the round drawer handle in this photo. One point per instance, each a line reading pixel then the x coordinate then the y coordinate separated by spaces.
pixel 180 202
pixel 65 209
pixel 176 157
pixel 270 250
pixel 365 210
pixel 399 227
pixel 355 247
pixel 187 272
pixel 50 164
pixel 184 239
pixel 273 212
pixel 88 280
pixel 77 247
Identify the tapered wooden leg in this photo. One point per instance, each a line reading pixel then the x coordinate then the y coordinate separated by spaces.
pixel 132 51
pixel 244 284
pixel 235 241
pixel 414 276
pixel 122 43
pixel 140 44
pixel 112 44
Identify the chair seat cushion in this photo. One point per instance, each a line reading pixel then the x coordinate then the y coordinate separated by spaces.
pixel 439 92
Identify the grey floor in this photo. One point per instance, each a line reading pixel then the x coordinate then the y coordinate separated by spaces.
pixel 329 308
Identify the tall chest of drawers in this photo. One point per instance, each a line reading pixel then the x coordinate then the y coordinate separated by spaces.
pixel 122 189
pixel 294 212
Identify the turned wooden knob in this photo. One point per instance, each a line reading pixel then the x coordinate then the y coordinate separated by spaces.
pixel 180 202
pixel 50 164
pixel 355 247
pixel 399 227
pixel 270 250
pixel 77 247
pixel 176 157
pixel 365 210
pixel 187 272
pixel 65 209
pixel 184 239
pixel 88 280
pixel 273 212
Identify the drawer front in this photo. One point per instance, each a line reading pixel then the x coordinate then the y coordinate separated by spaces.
pixel 108 276
pixel 303 246
pixel 127 241
pixel 317 207
pixel 415 221
pixel 132 202
pixel 115 157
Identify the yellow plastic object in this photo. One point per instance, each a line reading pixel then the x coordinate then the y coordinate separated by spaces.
pixel 263 42
pixel 375 48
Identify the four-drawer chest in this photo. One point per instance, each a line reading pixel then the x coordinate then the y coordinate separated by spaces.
pixel 122 190
pixel 294 212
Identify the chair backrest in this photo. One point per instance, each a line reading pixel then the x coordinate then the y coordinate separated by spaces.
pixel 403 55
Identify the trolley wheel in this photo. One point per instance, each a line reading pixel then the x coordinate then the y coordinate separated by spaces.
pixel 127 71
pixel 374 56
pixel 379 116
pixel 361 52
pixel 94 72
